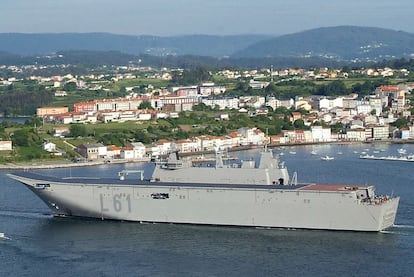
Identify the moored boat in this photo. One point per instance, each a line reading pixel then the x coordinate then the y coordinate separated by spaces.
pixel 409 158
pixel 327 158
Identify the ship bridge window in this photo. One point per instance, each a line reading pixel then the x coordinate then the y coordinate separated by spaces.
pixel 42 186
pixel 160 195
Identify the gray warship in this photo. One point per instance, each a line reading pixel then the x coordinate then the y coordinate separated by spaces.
pixel 248 193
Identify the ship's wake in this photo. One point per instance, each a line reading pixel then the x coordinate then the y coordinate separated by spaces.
pixel 3 237
pixel 400 230
pixel 404 226
pixel 24 214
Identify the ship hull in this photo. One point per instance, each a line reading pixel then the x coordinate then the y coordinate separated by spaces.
pixel 254 206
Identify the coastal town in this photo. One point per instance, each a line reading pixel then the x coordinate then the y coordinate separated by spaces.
pixel 363 119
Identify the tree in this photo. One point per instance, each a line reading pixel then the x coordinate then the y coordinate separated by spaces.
pixel 145 105
pixel 71 86
pixel 77 130
pixel 338 127
pixel 21 137
pixel 299 124
pixel 192 76
pixel 201 107
pixel 400 123
pixel 141 136
pixel 334 88
pixel 271 89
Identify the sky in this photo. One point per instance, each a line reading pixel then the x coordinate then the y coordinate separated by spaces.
pixel 214 17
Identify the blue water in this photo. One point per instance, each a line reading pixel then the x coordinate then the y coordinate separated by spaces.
pixel 41 245
pixel 14 119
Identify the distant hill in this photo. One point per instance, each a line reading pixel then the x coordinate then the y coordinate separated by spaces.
pixel 317 47
pixel 201 45
pixel 86 58
pixel 340 43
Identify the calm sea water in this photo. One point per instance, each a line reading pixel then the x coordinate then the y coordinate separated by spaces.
pixel 41 245
pixel 14 119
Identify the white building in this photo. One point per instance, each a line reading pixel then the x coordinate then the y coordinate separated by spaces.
pixel 139 150
pixel 320 134
pixel 327 104
pixel 186 145
pixel 207 89
pixel 222 103
pixel 324 104
pixel 364 108
pixel 6 145
pixel 205 143
pixel 253 135
pixel 357 134
pixel 127 153
pixel 49 146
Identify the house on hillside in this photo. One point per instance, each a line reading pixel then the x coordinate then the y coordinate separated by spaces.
pixel 127 153
pixel 61 132
pixel 139 150
pixel 113 152
pixel 6 145
pixel 49 147
pixel 92 151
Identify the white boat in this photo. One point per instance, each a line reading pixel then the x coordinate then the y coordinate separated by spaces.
pixel 250 194
pixel 402 151
pixel 3 236
pixel 314 152
pixel 327 158
pixel 409 158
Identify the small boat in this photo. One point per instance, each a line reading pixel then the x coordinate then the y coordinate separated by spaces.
pixel 402 151
pixel 327 158
pixel 3 236
pixel 314 152
pixel 409 158
pixel 292 152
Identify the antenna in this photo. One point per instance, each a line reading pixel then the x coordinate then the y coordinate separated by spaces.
pixel 271 73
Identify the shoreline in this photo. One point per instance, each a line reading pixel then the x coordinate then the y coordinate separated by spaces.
pixel 66 164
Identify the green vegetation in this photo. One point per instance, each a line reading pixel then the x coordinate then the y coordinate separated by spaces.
pixel 191 76
pixel 15 100
pixel 23 97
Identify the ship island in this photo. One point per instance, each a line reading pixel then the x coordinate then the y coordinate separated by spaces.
pixel 244 193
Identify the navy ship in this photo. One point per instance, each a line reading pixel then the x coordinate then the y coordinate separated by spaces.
pixel 248 193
